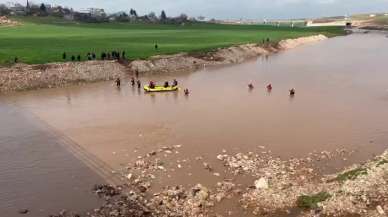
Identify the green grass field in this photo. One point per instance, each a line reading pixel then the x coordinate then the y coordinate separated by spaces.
pixel 42 40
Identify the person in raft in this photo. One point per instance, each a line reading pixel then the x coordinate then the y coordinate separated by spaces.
pixel 269 87
pixel 118 82
pixel 138 84
pixel 151 85
pixel 292 92
pixel 166 84
pixel 175 83
pixel 133 81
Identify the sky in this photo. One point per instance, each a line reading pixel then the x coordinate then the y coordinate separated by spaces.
pixel 231 9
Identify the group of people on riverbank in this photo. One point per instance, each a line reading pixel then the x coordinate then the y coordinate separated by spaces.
pixel 269 89
pixel 112 55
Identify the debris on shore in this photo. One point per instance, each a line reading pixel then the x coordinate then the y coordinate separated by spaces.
pixel 359 191
pixel 280 188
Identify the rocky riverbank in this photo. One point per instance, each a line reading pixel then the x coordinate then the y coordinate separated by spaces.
pixel 25 77
pixel 224 56
pixel 281 188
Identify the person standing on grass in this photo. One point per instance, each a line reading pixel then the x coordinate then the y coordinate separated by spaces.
pixel 156 46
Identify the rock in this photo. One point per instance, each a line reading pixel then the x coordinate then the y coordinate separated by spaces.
pixel 207 166
pixel 142 188
pixel 129 176
pixel 220 157
pixel 261 183
pixel 114 213
pixel 63 212
pixel 200 192
pixel 219 197
pixel 23 211
pixel 380 210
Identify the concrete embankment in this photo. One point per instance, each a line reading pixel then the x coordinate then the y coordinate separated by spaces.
pixel 25 77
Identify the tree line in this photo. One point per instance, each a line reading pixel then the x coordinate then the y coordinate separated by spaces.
pixel 90 15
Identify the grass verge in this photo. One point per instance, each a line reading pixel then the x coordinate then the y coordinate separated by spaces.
pixel 311 201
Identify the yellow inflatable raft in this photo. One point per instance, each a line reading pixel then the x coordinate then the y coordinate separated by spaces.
pixel 160 88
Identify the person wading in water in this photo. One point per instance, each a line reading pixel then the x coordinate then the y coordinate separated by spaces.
pixel 175 83
pixel 118 82
pixel 292 92
pixel 138 84
pixel 133 81
pixel 269 87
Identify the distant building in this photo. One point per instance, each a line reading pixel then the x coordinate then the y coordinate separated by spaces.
pixel 324 22
pixel 69 16
pixel 18 9
pixel 95 12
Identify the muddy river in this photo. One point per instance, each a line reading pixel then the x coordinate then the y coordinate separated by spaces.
pixel 341 101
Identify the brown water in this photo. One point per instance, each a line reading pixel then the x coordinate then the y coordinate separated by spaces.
pixel 38 170
pixel 341 102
